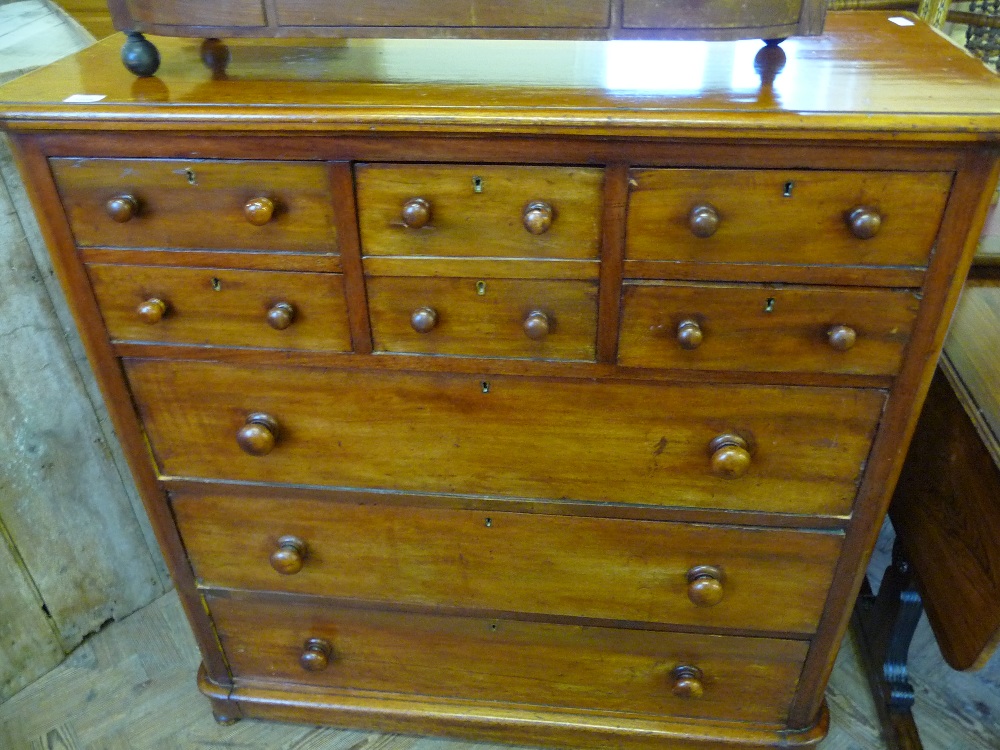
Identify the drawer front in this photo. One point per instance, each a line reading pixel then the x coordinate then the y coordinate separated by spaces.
pixel 461 13
pixel 479 211
pixel 777 329
pixel 619 442
pixel 644 571
pixel 507 661
pixel 197 204
pixel 715 14
pixel 199 12
pixel 223 307
pixel 484 317
pixel 755 222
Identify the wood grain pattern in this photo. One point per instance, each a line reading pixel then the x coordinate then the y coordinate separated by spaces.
pixel 182 12
pixel 451 13
pixel 484 317
pixel 198 204
pixel 648 444
pixel 786 328
pixel 507 661
pixel 495 560
pixel 466 223
pixel 759 224
pixel 658 14
pixel 223 307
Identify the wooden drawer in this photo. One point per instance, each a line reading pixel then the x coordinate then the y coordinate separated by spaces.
pixel 223 307
pixel 506 661
pixel 715 14
pixel 532 318
pixel 197 204
pixel 459 13
pixel 778 329
pixel 601 441
pixel 479 211
pixel 239 13
pixel 786 217
pixel 645 571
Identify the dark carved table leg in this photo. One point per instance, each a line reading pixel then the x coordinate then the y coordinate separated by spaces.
pixel 884 625
pixel 140 55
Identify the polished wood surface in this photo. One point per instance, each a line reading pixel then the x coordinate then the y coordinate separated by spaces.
pixel 523 437
pixel 197 204
pixel 788 329
pixel 606 569
pixel 222 307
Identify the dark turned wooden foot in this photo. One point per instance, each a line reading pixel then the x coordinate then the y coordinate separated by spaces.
pixel 774 42
pixel 224 719
pixel 140 55
pixel 883 626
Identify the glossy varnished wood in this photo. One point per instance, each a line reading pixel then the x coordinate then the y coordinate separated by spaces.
pixel 648 444
pixel 788 329
pixel 536 564
pixel 223 307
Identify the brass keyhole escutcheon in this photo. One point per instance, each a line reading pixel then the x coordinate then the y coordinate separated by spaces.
pixel 477 184
pixel 480 288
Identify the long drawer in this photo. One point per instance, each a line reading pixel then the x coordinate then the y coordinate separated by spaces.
pixel 778 449
pixel 507 661
pixel 646 571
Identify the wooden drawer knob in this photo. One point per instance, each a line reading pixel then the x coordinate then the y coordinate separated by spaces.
pixel 258 436
pixel 259 210
pixel 316 655
pixel 280 316
pixel 705 585
pixel 689 334
pixel 416 213
pixel 536 325
pixel 122 208
pixel 841 338
pixel 687 682
pixel 152 310
pixel 424 319
pixel 864 222
pixel 288 558
pixel 537 217
pixel 703 220
pixel 730 456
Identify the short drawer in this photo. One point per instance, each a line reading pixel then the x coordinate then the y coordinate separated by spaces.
pixel 457 13
pixel 785 217
pixel 502 661
pixel 713 14
pixel 777 329
pixel 212 205
pixel 765 448
pixel 644 571
pixel 527 318
pixel 223 307
pixel 479 211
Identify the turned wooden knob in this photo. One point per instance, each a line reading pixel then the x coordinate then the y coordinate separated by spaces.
pixel 121 208
pixel 288 558
pixel 689 334
pixel 280 316
pixel 259 210
pixel 152 310
pixel 705 585
pixel 864 222
pixel 536 325
pixel 424 319
pixel 316 655
pixel 841 338
pixel 537 217
pixel 730 456
pixel 258 436
pixel 416 213
pixel 703 220
pixel 687 682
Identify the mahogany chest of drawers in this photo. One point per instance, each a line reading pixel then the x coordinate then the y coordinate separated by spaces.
pixel 534 393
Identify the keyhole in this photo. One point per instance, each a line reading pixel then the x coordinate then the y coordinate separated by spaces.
pixel 789 186
pixel 489 522
pixel 480 288
pixel 477 184
pixel 769 305
pixel 486 387
pixel 192 180
pixel 216 284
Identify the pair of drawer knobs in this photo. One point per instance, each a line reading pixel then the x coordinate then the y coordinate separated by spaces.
pixel 690 335
pixel 537 216
pixel 258 211
pixel 864 222
pixel 536 324
pixel 280 316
